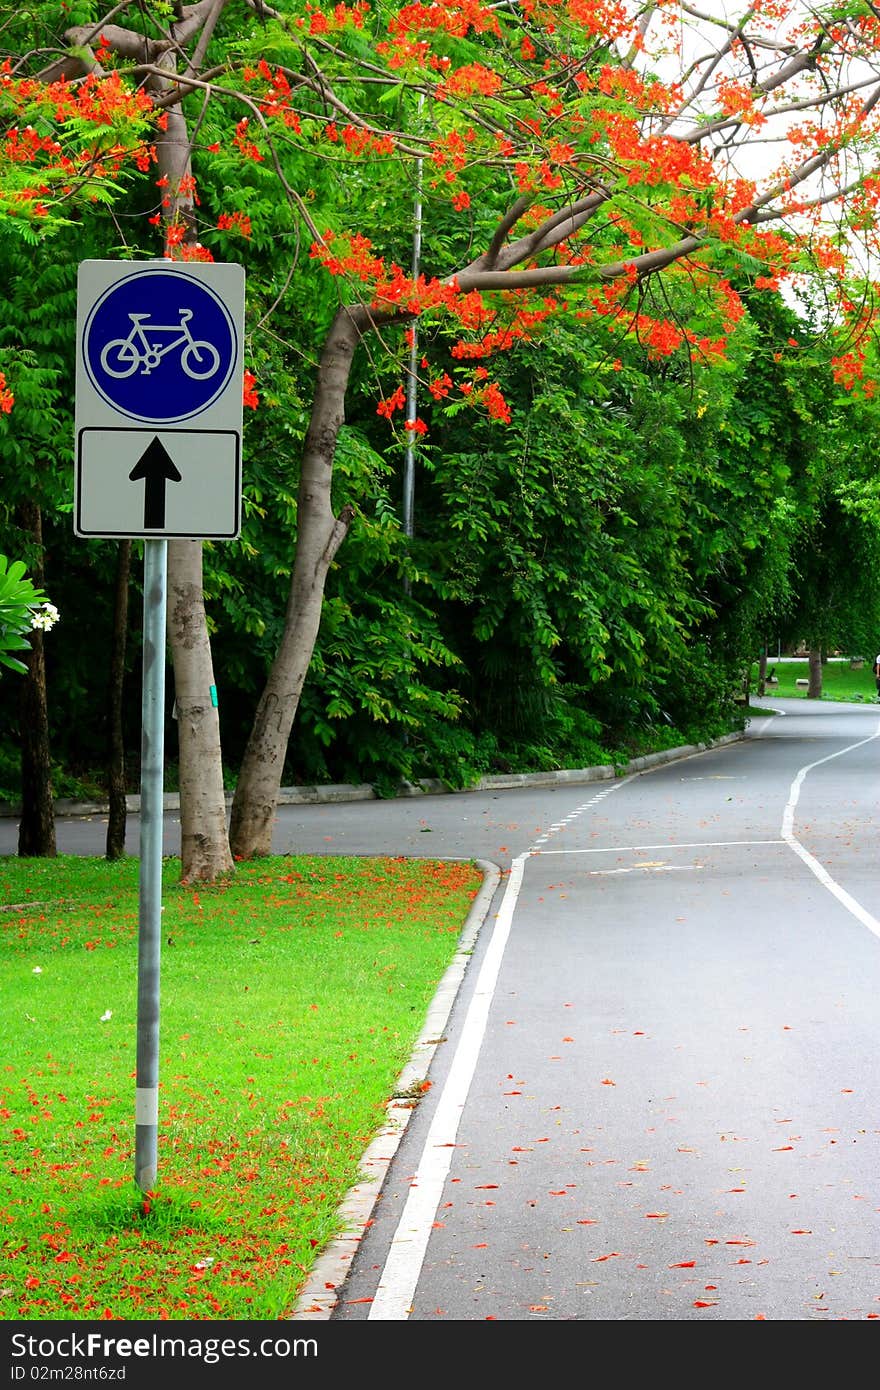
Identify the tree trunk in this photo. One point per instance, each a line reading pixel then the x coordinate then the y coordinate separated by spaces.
pixel 319 535
pixel 814 690
pixel 36 831
pixel 204 848
pixel 204 852
pixel 116 747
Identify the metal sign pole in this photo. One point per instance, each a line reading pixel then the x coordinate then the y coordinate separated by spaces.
pixel 150 909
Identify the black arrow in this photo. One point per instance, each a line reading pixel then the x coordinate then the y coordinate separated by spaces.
pixel 156 467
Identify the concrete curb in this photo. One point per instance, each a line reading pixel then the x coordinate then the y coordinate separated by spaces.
pixel 319 1294
pixel 428 786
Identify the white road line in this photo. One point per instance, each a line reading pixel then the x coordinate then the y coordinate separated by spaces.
pixel 860 913
pixel 396 1290
pixel 666 845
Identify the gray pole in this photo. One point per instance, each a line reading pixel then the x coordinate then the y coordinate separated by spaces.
pixel 150 919
pixel 412 381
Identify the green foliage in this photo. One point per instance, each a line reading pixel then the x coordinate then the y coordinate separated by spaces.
pixel 592 575
pixel 19 600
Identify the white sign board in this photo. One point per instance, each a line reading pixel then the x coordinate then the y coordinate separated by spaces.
pixel 159 375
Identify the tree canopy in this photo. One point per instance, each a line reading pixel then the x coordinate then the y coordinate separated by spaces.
pixel 540 248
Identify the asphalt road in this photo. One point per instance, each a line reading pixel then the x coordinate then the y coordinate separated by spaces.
pixel 654 1089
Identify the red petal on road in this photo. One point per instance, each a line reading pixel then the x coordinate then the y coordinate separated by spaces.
pixel 784 1149
pixel 606 1082
pixel 706 1303
pixel 656 1215
pixel 684 1264
pixel 597 1259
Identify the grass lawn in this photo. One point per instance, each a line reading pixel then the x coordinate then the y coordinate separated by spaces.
pixel 840 681
pixel 291 1000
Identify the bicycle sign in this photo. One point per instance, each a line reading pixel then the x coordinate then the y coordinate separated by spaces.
pixel 160 345
pixel 159 399
pixel 123 356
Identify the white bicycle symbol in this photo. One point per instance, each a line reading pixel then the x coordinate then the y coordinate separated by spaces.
pixel 122 357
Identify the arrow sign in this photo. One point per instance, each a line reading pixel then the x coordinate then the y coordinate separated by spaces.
pixel 156 467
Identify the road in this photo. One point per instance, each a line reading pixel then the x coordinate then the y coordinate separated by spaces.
pixel 656 1094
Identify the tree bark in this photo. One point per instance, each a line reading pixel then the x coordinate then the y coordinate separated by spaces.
pixel 814 690
pixel 36 831
pixel 115 844
pixel 204 848
pixel 319 535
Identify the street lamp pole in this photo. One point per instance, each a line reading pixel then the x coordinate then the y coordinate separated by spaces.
pixel 412 377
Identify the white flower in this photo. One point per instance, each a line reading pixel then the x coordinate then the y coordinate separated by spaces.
pixel 45 617
pixel 37 970
pixel 106 1015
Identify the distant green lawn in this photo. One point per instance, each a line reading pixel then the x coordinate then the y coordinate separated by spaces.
pixel 840 680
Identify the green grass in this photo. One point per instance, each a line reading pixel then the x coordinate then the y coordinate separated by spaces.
pixel 291 999
pixel 840 681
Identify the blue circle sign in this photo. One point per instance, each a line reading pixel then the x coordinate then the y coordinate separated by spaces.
pixel 159 346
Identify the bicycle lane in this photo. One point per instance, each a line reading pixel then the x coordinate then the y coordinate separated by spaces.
pixel 641 1120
